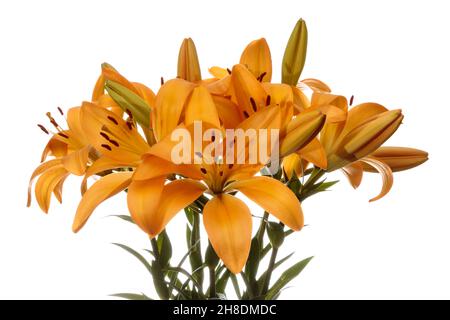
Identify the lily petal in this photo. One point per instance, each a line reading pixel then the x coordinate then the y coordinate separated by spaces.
pixel 173 197
pixel 354 173
pixel 76 161
pixel 46 184
pixel 201 107
pixel 386 175
pixel 169 105
pixel 256 57
pixel 274 197
pixel 101 190
pixel 228 223
pixel 38 171
pixel 314 152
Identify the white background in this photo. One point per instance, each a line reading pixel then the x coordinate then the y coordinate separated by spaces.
pixel 392 52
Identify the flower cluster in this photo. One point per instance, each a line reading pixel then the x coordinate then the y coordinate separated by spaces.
pixel 124 136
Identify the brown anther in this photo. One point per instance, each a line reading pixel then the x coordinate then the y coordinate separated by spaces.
pixel 162 81
pixel 129 113
pixel 230 166
pixel 104 135
pixel 229 71
pixel 63 135
pixel 268 100
pixel 261 76
pixel 111 118
pixel 203 170
pixel 253 103
pixel 107 147
pixel 246 114
pixel 129 125
pixel 213 138
pixel 60 111
pixel 43 128
pixel 114 142
pixel 351 100
pixel 221 173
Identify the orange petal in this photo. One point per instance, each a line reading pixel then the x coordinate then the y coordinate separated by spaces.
pixel 354 173
pixel 314 152
pixel 256 57
pixel 201 107
pixel 228 112
pixel 316 85
pixel 228 223
pixel 38 171
pixel 386 175
pixel 274 197
pixel 76 161
pixel 101 190
pixel 218 72
pixel 55 147
pixel 249 93
pixel 169 200
pixel 46 184
pixel 169 105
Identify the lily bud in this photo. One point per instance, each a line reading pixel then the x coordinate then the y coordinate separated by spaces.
pixel 188 64
pixel 295 54
pixel 129 101
pixel 398 158
pixel 256 57
pixel 365 138
pixel 301 130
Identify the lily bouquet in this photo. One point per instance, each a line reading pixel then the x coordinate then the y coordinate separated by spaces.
pixel 200 145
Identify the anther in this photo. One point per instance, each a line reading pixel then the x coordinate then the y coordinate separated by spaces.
pixel 63 135
pixel 213 138
pixel 229 71
pixel 268 100
pixel 252 101
pixel 43 128
pixel 104 135
pixel 351 100
pixel 129 113
pixel 230 166
pixel 203 170
pixel 246 114
pixel 107 147
pixel 60 111
pixel 111 118
pixel 129 125
pixel 221 173
pixel 52 120
pixel 162 81
pixel 114 142
pixel 261 76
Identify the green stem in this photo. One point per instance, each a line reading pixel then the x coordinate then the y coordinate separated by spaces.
pixel 262 228
pixel 266 282
pixel 157 273
pixel 250 292
pixel 212 283
pixel 155 248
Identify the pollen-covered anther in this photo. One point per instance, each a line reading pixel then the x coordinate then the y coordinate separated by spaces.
pixel 253 103
pixel 162 81
pixel 351 100
pixel 53 121
pixel 261 76
pixel 229 71
pixel 63 135
pixel 221 173
pixel 114 142
pixel 111 118
pixel 246 114
pixel 104 135
pixel 129 113
pixel 107 147
pixel 268 100
pixel 43 128
pixel 60 111
pixel 203 170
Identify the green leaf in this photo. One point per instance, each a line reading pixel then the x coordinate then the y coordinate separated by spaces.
pixel 186 273
pixel 276 265
pixel 221 283
pixel 294 183
pixel 286 277
pixel 136 254
pixel 189 215
pixel 165 248
pixel 195 257
pixel 211 257
pixel 275 231
pixel 251 267
pixel 295 54
pixel 131 296
pixel 128 100
pixel 236 286
pixel 123 217
pixel 159 282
